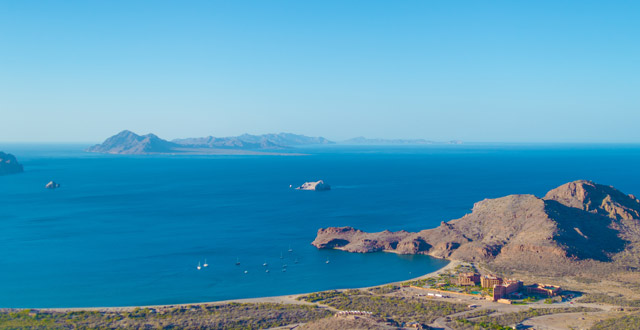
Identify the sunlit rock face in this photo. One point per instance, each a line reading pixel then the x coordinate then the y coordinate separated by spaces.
pixel 578 222
pixel 317 186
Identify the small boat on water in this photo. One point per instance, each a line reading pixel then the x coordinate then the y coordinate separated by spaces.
pixel 237 261
pixel 326 262
pixel 205 263
pixel 265 263
pixel 281 256
pixel 266 271
pixel 295 261
pixel 290 249
pixel 199 267
pixel 246 272
pixel 284 270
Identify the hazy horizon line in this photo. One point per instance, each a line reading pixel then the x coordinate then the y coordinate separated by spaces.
pixel 340 142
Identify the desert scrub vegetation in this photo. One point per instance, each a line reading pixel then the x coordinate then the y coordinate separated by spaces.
pixel 609 300
pixel 504 321
pixel 465 268
pixel 462 324
pixel 385 289
pixel 326 295
pixel 629 322
pixel 479 313
pixel 229 316
pixel 447 282
pixel 396 308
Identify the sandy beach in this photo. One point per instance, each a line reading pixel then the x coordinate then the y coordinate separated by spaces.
pixel 284 299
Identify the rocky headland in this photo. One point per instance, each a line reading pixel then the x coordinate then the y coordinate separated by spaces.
pixel 578 227
pixel 9 164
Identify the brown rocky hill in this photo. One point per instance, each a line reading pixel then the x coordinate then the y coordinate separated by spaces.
pixel 579 222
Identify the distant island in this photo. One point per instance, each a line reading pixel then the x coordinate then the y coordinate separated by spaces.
pixel 316 186
pixel 365 141
pixel 580 228
pixel 130 143
pixel 127 142
pixel 9 164
pixel 52 185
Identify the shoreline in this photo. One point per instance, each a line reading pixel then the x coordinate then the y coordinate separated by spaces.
pixel 283 299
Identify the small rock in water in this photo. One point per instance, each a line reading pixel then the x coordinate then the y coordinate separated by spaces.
pixel 317 186
pixel 52 185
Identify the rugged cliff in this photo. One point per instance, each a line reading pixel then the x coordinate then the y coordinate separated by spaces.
pixel 576 222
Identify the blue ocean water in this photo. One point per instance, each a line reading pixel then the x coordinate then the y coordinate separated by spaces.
pixel 130 230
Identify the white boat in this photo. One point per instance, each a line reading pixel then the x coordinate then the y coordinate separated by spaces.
pixel 246 272
pixel 205 263
pixel 281 256
pixel 284 270
pixel 326 262
pixel 266 271
pixel 290 249
pixel 199 267
pixel 265 263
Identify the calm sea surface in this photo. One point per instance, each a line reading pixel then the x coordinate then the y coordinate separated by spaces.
pixel 130 230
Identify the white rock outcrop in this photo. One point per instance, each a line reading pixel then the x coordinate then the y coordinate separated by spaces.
pixel 317 186
pixel 52 185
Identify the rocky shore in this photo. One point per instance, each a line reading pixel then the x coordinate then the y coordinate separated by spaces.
pixel 580 223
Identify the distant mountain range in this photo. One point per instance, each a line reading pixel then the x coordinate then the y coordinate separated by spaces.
pixel 127 142
pixel 363 140
pixel 247 141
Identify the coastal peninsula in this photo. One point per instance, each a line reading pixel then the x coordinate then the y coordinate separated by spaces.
pixel 580 228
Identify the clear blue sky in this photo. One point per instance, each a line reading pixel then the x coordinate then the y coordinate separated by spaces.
pixel 509 71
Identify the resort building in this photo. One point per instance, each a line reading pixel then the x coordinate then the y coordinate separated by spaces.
pixel 506 289
pixel 546 290
pixel 468 279
pixel 488 281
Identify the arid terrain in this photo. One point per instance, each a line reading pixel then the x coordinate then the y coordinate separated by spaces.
pixel 581 236
pixel 580 229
